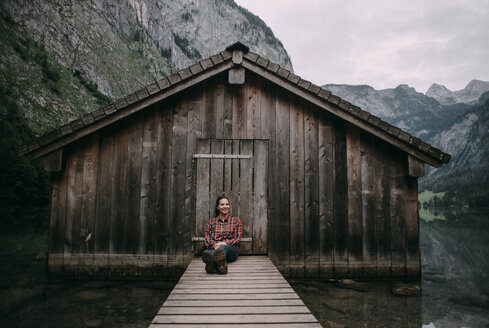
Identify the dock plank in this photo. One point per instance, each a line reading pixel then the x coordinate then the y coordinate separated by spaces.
pixel 252 294
pixel 215 303
pixel 199 285
pixel 213 290
pixel 244 318
pixel 299 309
pixel 238 325
pixel 280 296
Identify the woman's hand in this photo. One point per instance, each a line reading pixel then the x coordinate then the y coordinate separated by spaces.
pixel 216 245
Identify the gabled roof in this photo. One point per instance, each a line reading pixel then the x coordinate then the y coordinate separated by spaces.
pixel 234 56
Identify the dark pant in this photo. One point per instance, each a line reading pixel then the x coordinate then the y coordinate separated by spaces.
pixel 230 251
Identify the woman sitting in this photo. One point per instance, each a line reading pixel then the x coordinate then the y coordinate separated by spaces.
pixel 222 237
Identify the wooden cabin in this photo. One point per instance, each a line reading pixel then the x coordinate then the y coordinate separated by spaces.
pixel 323 188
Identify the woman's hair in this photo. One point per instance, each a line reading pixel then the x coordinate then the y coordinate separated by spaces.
pixel 216 211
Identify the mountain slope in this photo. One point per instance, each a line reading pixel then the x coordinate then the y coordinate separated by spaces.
pixel 418 114
pixel 46 92
pixel 468 172
pixel 402 106
pixel 62 59
pixel 115 47
pixel 469 95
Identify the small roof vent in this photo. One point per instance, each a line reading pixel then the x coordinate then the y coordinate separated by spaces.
pixel 238 46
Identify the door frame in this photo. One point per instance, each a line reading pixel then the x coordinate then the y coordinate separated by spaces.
pixel 237 168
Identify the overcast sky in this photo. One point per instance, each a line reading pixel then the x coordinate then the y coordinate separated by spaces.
pixel 382 43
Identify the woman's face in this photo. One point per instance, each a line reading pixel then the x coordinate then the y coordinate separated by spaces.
pixel 223 207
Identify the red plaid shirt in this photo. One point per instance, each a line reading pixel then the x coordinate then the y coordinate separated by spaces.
pixel 228 230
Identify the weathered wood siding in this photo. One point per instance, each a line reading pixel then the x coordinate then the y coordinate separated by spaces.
pixel 340 201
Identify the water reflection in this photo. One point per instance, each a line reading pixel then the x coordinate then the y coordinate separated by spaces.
pixel 30 300
pixel 455 263
pixel 90 304
pixel 455 287
pixel 371 305
pixel 455 281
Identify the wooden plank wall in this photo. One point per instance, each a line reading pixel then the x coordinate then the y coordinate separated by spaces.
pixel 340 201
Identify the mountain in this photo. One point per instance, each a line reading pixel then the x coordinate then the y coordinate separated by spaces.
pixel 402 106
pixel 451 121
pixel 469 95
pixel 419 114
pixel 465 138
pixel 60 59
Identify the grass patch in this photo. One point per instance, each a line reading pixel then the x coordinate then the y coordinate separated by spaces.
pixel 186 48
pixel 47 93
pixel 429 209
pixel 92 87
pixel 427 215
pixel 428 195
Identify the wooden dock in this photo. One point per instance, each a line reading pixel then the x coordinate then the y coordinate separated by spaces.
pixel 252 294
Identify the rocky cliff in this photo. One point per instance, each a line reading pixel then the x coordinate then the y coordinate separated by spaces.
pixel 402 106
pixel 469 95
pixel 465 138
pixel 60 58
pixel 422 115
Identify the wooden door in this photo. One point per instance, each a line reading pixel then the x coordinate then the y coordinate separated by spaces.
pixel 237 169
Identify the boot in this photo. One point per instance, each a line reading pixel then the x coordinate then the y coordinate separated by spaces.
pixel 210 262
pixel 220 259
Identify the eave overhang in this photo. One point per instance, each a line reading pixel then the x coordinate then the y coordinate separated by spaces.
pixel 217 64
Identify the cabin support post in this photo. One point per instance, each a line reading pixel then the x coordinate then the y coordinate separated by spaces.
pixel 416 167
pixel 54 161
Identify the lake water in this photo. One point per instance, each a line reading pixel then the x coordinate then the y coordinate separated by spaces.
pixel 30 300
pixel 455 287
